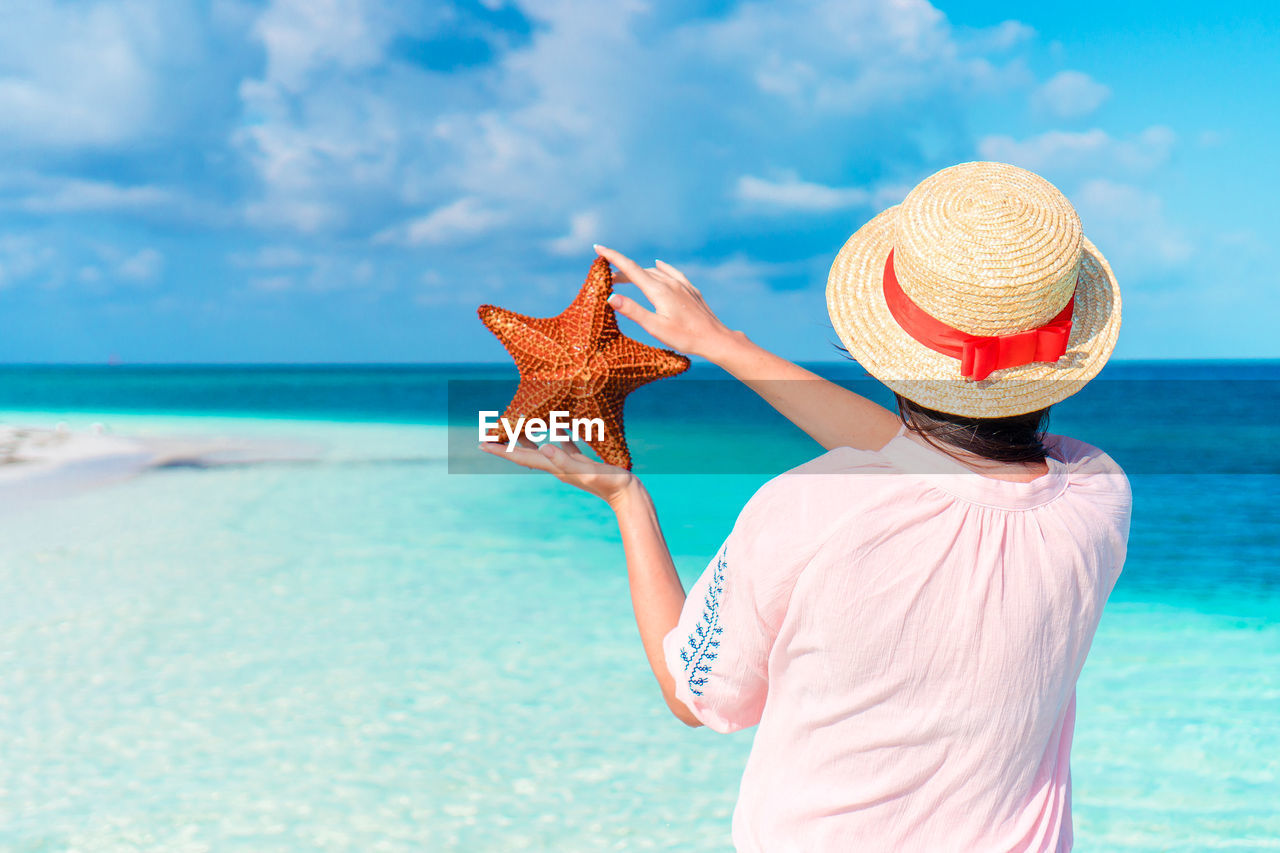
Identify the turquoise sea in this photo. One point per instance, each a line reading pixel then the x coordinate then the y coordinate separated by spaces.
pixel 352 645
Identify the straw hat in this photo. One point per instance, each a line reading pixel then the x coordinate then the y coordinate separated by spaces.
pixel 979 295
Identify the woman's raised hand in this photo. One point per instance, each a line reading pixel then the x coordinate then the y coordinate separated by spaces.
pixel 570 465
pixel 680 317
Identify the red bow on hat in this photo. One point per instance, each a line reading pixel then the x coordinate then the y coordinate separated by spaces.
pixel 978 354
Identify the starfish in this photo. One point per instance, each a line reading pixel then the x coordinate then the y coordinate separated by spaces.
pixel 580 363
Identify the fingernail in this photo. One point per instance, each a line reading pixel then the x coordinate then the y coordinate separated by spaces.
pixel 596 246
pixel 612 299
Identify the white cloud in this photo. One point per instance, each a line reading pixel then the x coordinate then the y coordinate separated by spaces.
pixel 871 54
pixel 740 273
pixel 463 218
pixel 335 129
pixel 1211 138
pixel 89 275
pixel 301 215
pixel 1059 152
pixel 347 147
pixel 271 283
pixel 36 259
pixel 790 93
pixel 743 289
pixel 47 194
pixel 347 137
pixel 793 194
pixel 1069 94
pixel 1102 176
pixel 107 74
pixel 23 257
pixel 73 75
pixel 1003 36
pixel 302 36
pixel 142 266
pixel 1129 226
pixel 279 268
pixel 54 197
pixel 584 229
pixel 111 265
pixel 270 257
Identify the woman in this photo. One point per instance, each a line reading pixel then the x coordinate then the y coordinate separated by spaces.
pixel 904 617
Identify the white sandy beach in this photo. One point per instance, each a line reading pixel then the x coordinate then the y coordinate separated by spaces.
pixel 41 461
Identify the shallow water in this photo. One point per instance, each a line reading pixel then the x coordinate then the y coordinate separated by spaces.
pixel 363 652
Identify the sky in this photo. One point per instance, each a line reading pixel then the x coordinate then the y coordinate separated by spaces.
pixel 347 180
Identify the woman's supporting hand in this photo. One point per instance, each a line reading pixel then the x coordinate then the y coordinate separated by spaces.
pixel 569 465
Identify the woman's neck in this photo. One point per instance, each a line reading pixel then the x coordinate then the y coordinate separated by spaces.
pixel 1017 472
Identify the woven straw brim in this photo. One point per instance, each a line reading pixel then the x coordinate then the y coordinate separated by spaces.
pixel 855 301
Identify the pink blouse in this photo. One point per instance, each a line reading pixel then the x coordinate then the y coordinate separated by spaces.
pixel 907 634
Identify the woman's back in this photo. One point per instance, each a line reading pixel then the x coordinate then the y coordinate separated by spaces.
pixel 907 634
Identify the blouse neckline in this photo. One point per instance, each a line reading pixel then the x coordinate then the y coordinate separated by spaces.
pixel 952 476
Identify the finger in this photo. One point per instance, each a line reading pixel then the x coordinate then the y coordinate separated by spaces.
pixel 561 463
pixel 559 457
pixel 651 287
pixel 673 272
pixel 523 456
pixel 620 277
pixel 632 310
pixel 569 464
pixel 575 452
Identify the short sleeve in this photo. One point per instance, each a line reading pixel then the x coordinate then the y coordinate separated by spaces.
pixel 719 651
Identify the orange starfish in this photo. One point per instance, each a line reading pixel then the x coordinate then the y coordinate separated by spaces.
pixel 580 363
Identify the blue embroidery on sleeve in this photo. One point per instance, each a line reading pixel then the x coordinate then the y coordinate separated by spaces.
pixel 704 642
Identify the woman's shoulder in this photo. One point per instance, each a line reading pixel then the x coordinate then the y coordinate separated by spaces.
pixel 841 465
pixel 796 511
pixel 1082 458
pixel 842 460
pixel 824 485
pixel 1090 470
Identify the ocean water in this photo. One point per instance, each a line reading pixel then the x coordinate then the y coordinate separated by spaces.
pixel 352 648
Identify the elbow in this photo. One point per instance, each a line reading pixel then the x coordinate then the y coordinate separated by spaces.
pixel 683 714
pixel 689 719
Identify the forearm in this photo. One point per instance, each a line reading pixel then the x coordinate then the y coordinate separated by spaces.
pixel 833 416
pixel 657 595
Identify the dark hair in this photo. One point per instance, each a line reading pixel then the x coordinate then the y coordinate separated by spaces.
pixel 1019 438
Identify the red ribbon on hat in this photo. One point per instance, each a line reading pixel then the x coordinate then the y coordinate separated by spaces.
pixel 978 354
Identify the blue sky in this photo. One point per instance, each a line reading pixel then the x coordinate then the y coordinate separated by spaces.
pixel 346 180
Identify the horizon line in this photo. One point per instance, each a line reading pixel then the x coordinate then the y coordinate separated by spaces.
pixel 507 363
